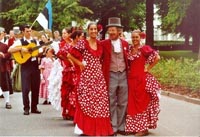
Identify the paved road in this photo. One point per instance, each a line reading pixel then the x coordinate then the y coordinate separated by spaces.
pixel 177 118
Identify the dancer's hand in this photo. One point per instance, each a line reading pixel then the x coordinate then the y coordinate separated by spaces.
pixel 1 55
pixel 24 50
pixel 82 65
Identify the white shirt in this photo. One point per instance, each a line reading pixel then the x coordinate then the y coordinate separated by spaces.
pixel 5 42
pixel 55 46
pixel 19 43
pixel 117 45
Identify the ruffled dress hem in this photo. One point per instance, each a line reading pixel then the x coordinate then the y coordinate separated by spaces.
pixel 147 119
pixel 54 87
pixel 93 126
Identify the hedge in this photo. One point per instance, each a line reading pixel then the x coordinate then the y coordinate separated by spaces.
pixel 178 72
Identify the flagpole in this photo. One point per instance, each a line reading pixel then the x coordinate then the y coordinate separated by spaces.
pixel 45 20
pixel 33 23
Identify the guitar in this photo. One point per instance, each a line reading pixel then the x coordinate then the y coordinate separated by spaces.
pixel 21 57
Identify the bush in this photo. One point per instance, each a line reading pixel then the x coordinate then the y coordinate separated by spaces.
pixel 181 72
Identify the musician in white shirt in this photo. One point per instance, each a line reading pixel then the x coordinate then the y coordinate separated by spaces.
pixel 30 73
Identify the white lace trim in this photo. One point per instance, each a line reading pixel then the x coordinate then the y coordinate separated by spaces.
pixel 54 87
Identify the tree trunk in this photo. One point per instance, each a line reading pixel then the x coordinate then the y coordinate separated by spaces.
pixel 103 34
pixel 149 23
pixel 199 52
pixel 187 40
pixel 195 43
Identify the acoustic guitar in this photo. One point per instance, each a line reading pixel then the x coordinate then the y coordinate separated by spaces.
pixel 21 57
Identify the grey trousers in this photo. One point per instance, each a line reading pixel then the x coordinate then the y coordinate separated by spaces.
pixel 118 95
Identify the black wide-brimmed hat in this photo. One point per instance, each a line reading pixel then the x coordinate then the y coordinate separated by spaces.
pixel 114 22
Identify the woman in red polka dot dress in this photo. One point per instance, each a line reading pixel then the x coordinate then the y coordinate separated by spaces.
pixel 143 96
pixel 92 115
pixel 68 69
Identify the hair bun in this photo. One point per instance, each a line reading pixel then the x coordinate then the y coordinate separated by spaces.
pixel 142 34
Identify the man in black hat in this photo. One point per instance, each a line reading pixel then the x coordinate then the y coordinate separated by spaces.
pixel 115 67
pixel 30 73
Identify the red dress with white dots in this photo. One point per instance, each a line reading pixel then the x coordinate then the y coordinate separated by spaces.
pixel 92 112
pixel 68 90
pixel 143 95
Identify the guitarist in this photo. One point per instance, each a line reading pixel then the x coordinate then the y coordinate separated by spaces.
pixel 30 73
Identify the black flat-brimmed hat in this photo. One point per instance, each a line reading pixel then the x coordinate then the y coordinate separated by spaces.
pixel 114 22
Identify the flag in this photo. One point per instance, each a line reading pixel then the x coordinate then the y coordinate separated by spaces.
pixel 45 17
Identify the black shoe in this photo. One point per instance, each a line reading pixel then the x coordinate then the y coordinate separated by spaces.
pixel 82 135
pixel 26 112
pixel 45 102
pixel 114 134
pixel 36 111
pixel 69 118
pixel 8 106
pixel 1 96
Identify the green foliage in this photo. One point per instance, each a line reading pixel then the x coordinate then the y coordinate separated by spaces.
pixel 182 72
pixel 69 11
pixel 23 12
pixel 5 6
pixel 26 11
pixel 172 13
pixel 131 12
pixel 181 16
pixel 138 16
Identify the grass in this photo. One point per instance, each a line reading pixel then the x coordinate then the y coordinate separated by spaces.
pixel 178 54
pixel 165 43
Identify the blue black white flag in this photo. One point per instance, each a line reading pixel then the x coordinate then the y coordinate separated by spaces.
pixel 45 17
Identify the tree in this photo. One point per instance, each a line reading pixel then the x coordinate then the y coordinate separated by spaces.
pixel 131 12
pixel 182 16
pixel 72 10
pixel 27 11
pixel 149 22
pixel 4 7
pixel 190 24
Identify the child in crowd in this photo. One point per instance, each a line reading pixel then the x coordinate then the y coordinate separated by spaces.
pixel 45 69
